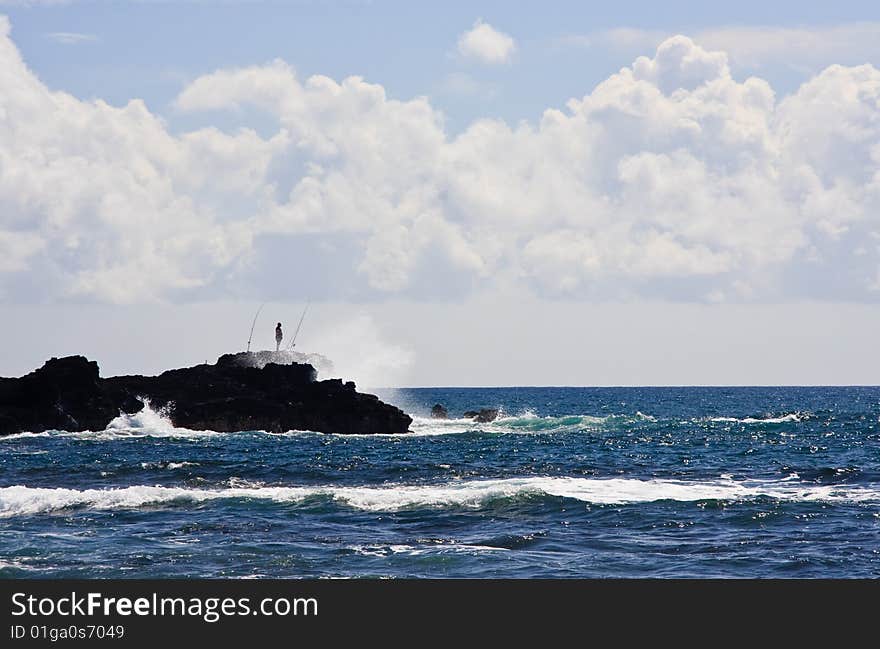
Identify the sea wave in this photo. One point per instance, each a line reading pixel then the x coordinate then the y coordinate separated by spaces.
pixel 379 550
pixel 790 417
pixel 21 500
pixel 526 422
pixel 15 436
pixel 147 422
pixel 171 466
pixel 7 564
pixel 150 422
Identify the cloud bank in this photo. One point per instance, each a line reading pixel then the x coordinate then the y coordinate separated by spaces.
pixel 670 179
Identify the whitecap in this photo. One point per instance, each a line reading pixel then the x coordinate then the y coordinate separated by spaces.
pixel 21 500
pixel 374 550
pixel 790 417
pixel 171 466
pixel 14 436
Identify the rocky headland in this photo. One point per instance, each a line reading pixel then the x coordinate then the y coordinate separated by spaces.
pixel 267 390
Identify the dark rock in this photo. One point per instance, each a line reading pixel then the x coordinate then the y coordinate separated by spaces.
pixel 64 394
pixel 486 415
pixel 439 412
pixel 260 359
pixel 483 416
pixel 239 392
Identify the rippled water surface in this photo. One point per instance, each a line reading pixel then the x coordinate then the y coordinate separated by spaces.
pixel 568 482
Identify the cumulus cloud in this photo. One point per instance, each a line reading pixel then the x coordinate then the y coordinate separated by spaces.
pixel 102 202
pixel 805 48
pixel 671 179
pixel 486 44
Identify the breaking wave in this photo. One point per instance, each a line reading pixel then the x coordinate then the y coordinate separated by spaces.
pixel 791 417
pixel 171 466
pixel 155 423
pixel 13 436
pixel 527 422
pixel 145 423
pixel 145 419
pixel 21 500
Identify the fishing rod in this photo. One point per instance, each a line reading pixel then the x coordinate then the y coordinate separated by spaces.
pixel 296 333
pixel 254 324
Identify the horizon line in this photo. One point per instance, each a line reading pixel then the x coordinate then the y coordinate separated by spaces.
pixel 713 385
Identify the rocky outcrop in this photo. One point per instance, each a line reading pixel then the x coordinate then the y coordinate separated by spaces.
pixel 482 416
pixel 439 411
pixel 322 364
pixel 64 394
pixel 246 391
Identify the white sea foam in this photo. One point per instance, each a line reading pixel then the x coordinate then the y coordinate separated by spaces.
pixel 155 423
pixel 421 549
pixel 145 423
pixel 13 436
pixel 422 426
pixel 146 419
pixel 527 423
pixel 794 416
pixel 434 548
pixel 22 500
pixel 171 466
pixel 148 422
pixel 235 482
pixel 12 563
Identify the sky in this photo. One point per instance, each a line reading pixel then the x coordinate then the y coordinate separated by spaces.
pixel 465 193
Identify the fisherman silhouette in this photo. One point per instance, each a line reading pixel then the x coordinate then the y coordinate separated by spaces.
pixel 278 337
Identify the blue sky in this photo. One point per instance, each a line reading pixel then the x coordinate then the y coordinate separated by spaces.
pixel 150 49
pixel 618 191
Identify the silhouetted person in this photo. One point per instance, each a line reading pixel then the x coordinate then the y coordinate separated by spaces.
pixel 278 336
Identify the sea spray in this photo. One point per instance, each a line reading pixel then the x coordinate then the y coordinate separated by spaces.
pixel 20 500
pixel 361 353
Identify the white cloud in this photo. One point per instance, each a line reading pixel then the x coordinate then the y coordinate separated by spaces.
pixel 669 179
pixel 679 65
pixel 486 44
pixel 753 47
pixel 71 38
pixel 107 203
pixel 804 46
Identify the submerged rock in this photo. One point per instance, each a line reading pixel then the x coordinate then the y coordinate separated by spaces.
pixel 238 392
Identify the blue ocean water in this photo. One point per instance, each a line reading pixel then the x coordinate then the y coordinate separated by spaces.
pixel 568 482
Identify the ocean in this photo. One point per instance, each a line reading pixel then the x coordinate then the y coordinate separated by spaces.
pixel 690 482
